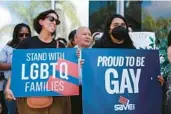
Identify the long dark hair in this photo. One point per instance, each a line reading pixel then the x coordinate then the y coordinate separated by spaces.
pixel 15 40
pixel 106 35
pixel 169 39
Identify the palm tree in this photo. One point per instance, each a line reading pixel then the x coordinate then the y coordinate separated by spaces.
pixel 24 12
pixel 70 11
pixel 66 8
pixel 27 10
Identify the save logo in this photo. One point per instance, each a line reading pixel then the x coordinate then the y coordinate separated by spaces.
pixel 124 104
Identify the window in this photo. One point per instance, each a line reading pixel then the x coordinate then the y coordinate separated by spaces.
pixel 99 12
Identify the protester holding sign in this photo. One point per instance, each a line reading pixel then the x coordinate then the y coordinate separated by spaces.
pixel 115 34
pixel 168 84
pixel 82 39
pixel 45 25
pixel 21 31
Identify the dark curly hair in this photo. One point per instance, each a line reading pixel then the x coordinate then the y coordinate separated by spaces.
pixel 42 16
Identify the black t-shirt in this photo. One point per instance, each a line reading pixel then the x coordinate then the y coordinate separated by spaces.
pixel 35 43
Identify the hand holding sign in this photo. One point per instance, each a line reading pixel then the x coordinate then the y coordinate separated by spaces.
pixel 9 95
pixel 161 80
pixel 80 60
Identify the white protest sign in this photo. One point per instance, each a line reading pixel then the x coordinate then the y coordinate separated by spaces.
pixel 145 40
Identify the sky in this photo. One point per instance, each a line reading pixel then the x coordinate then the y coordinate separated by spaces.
pixel 158 8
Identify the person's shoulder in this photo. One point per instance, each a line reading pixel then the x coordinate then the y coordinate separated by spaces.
pixel 61 45
pixel 132 47
pixel 9 42
pixel 6 50
pixel 98 44
pixel 7 47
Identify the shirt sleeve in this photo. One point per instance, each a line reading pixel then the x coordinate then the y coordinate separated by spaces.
pixel 4 56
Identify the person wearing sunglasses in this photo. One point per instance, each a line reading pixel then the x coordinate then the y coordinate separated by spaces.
pixel 5 62
pixel 45 25
pixel 24 35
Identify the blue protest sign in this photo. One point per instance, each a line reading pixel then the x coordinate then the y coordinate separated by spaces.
pixel 44 72
pixel 121 81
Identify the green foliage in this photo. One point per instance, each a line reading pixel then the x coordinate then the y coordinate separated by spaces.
pixel 25 12
pixel 151 46
pixel 159 26
pixel 149 24
pixel 164 63
pixel 165 67
pixel 28 10
pixel 71 11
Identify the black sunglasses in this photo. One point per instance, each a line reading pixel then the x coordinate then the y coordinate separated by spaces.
pixel 53 19
pixel 24 34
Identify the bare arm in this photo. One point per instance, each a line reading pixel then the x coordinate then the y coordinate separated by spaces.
pixel 8 83
pixel 5 66
pixel 169 53
pixel 8 93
